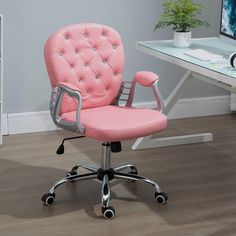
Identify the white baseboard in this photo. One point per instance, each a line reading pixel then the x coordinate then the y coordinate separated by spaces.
pixel 233 102
pixel 4 124
pixel 197 107
pixel 28 122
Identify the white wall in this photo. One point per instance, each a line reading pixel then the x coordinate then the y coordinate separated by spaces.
pixel 28 23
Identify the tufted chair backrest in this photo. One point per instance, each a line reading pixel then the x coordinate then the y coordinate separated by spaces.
pixel 91 58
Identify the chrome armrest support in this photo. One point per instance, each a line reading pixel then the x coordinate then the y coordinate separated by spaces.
pixel 57 95
pixel 157 94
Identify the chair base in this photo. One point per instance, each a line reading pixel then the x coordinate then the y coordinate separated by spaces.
pixel 105 174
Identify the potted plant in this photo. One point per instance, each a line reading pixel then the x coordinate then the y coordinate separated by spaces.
pixel 182 16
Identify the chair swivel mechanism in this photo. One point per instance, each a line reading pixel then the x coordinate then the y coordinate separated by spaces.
pixel 85 63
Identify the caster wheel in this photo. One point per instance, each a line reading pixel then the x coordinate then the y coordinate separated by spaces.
pixel 48 198
pixel 161 198
pixel 108 212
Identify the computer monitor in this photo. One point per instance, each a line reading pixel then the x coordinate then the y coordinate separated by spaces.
pixel 228 21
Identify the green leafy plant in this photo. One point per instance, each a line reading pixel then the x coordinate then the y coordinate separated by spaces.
pixel 181 15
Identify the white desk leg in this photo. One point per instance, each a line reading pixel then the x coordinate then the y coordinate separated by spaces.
pixel 143 143
pixel 176 93
pixel 233 102
pixel 149 142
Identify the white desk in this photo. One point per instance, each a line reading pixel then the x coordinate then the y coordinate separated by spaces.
pixel 222 76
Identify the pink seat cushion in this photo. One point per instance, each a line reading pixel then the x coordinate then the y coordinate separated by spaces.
pixel 112 123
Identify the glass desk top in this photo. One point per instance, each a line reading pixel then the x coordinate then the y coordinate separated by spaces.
pixel 212 45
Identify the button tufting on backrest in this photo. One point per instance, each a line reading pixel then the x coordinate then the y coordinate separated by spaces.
pixel 104 33
pixel 67 36
pixel 92 73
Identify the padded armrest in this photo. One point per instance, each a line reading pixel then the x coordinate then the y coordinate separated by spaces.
pixel 55 106
pixel 146 78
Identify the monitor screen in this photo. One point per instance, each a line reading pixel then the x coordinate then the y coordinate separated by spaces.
pixel 228 19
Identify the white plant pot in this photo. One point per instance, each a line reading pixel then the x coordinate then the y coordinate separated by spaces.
pixel 182 39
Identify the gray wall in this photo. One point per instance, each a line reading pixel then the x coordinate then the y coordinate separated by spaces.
pixel 28 23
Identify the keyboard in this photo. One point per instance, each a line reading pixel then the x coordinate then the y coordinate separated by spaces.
pixel 202 55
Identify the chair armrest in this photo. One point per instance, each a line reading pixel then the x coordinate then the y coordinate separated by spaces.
pixel 146 79
pixel 55 106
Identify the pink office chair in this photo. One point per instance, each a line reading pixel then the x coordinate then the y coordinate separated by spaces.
pixel 85 64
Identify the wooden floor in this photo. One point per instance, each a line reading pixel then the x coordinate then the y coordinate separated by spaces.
pixel 200 180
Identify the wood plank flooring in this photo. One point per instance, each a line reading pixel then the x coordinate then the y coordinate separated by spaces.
pixel 200 180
